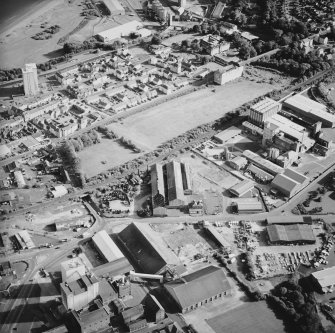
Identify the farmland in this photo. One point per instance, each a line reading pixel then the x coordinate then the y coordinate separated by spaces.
pixel 158 124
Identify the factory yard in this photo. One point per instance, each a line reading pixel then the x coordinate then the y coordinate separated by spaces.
pixel 161 123
pixel 103 156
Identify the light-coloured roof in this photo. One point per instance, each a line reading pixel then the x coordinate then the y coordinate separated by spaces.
pixel 308 106
pixel 290 233
pixel 26 239
pixel 218 237
pixel 19 178
pixel 107 246
pixel 198 286
pixel 227 134
pixel 265 104
pixel 71 263
pixel 4 150
pixel 253 127
pixel 287 126
pixel 248 204
pixel 242 187
pixel 326 277
pixel 296 176
pixel 262 162
pixel 59 191
pixel 113 5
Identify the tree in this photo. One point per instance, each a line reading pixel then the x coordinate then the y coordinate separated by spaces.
pixel 196 28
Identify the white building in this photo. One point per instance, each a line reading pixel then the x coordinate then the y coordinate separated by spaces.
pixel 325 279
pixel 59 191
pixel 227 74
pixel 30 80
pixel 69 267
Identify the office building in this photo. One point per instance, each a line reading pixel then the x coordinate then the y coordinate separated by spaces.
pixel 30 80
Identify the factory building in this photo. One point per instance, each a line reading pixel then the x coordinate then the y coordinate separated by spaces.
pixel 263 110
pixel 325 279
pixel 154 311
pixel 238 163
pixel 24 240
pixel 262 163
pixel 77 294
pixel 289 182
pixel 305 107
pixel 70 267
pixel 169 184
pixel 114 7
pixel 242 188
pixel 214 44
pixel 217 237
pixel 106 246
pixel 145 248
pixel 247 205
pixel 226 135
pixel 291 234
pixel 198 288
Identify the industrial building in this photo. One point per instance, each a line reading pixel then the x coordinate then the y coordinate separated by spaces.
pixel 289 220
pixel 262 163
pixel 147 249
pixel 77 294
pixel 264 110
pixel 242 188
pixel 154 311
pixel 58 191
pixel 217 237
pixel 325 279
pixel 69 267
pixel 238 163
pixel 307 108
pixel 114 7
pixel 227 134
pixel 169 184
pixel 30 80
pixel 113 268
pixel 291 233
pixel 198 288
pixel 214 44
pixel 19 179
pixel 106 246
pixel 289 182
pixel 24 240
pixel 123 30
pixel 227 74
pixel 247 205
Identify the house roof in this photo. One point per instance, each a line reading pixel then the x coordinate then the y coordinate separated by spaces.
pixel 198 286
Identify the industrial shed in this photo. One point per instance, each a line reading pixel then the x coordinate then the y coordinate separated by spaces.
pixel 114 7
pixel 293 233
pixel 242 188
pixel 198 288
pixel 106 246
pixel 247 205
pixel 289 220
pixel 217 237
pixel 146 248
pixel 114 268
pixel 290 182
pixel 325 279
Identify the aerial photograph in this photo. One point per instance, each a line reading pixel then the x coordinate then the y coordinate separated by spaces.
pixel 167 166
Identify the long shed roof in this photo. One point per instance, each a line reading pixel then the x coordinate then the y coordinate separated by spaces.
pixel 107 246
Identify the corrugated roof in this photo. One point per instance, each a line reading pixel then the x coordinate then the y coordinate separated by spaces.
pixel 174 181
pixel 198 286
pixel 107 246
pixel 284 182
pixel 262 162
pixel 157 180
pixel 218 237
pixel 265 105
pixel 326 277
pixel 290 233
pixel 242 187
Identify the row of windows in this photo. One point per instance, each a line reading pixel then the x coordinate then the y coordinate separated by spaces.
pixel 192 307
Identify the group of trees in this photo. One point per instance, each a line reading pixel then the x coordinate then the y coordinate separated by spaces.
pixel 108 133
pixel 71 161
pixel 129 144
pixel 85 140
pixel 296 307
pixel 249 265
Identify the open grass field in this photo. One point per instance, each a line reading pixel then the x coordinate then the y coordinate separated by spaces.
pixel 110 151
pixel 256 318
pixel 158 124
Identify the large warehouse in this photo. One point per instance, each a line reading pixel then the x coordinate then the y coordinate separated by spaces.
pixel 289 220
pixel 247 205
pixel 106 246
pixel 114 7
pixel 304 106
pixel 169 184
pixel 325 279
pixel 293 233
pixel 290 182
pixel 198 288
pixel 242 188
pixel 147 249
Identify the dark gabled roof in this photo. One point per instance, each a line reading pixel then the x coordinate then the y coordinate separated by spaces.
pixel 290 233
pixel 198 286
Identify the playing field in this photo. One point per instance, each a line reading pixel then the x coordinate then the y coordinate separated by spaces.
pixel 158 124
pixel 248 318
pixel 109 152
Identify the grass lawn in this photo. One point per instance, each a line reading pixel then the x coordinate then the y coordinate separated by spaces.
pixel 110 151
pixel 160 123
pixel 248 318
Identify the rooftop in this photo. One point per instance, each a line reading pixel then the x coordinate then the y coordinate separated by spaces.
pixel 265 104
pixel 290 233
pixel 326 277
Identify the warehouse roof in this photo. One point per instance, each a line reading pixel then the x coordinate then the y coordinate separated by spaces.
pixel 289 180
pixel 4 150
pixel 113 5
pixel 307 105
pixel 114 268
pixel 326 277
pixel 227 134
pixel 290 233
pixel 218 237
pixel 59 191
pixel 157 180
pixel 289 219
pixel 198 286
pixel 259 172
pixel 107 246
pixel 262 162
pixel 242 188
pixel 248 204
pixel 174 181
pixel 287 126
